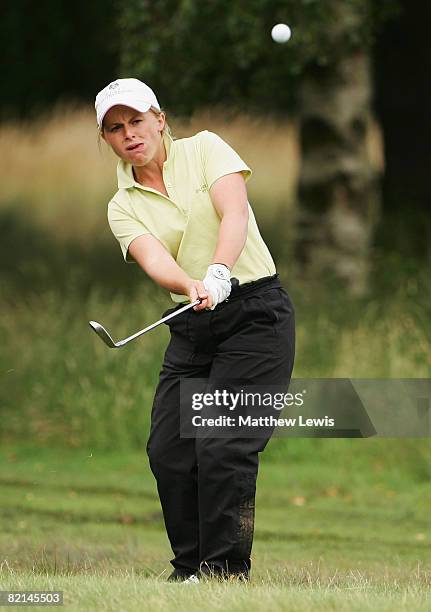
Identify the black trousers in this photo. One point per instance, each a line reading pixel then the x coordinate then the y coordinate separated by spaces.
pixel 207 485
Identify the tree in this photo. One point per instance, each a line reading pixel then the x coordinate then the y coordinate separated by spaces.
pixel 55 51
pixel 339 190
pixel 402 64
pixel 220 53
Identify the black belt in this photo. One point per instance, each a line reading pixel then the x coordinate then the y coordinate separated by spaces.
pixel 238 291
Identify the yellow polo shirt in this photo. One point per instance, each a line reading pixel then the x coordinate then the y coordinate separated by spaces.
pixel 186 222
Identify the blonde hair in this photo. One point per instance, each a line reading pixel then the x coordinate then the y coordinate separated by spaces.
pixel 166 130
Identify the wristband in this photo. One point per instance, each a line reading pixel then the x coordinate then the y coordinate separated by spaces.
pixel 219 271
pixel 219 263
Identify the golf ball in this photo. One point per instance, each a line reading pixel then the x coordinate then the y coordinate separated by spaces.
pixel 281 33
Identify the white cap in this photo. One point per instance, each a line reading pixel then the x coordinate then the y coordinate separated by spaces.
pixel 129 92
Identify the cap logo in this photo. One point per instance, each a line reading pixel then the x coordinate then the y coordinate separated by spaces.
pixel 114 85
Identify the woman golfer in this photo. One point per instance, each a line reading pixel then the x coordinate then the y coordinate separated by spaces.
pixel 181 212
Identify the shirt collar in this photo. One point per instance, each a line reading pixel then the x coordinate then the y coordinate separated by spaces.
pixel 125 171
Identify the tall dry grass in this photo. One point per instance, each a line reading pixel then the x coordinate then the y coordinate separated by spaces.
pixel 54 174
pixel 57 175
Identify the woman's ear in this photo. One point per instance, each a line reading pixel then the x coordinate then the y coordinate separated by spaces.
pixel 162 120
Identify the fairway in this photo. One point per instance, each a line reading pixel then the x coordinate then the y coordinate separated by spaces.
pixel 331 533
pixel 264 167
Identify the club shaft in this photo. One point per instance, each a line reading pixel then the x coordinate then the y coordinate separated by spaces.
pixel 153 325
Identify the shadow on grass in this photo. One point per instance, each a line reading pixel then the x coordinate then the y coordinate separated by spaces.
pixel 31 260
pixel 122 518
pixel 41 486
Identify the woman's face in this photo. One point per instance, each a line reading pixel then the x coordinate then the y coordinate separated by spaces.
pixel 133 136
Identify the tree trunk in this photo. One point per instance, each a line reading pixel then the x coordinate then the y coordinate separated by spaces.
pixel 339 194
pixel 402 64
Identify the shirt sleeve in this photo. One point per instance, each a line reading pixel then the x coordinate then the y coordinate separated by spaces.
pixel 125 228
pixel 220 159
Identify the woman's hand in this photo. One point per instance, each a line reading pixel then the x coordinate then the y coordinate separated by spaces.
pixel 195 290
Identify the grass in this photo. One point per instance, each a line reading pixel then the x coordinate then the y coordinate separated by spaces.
pixel 56 176
pixel 305 591
pixel 341 524
pixel 70 388
pixel 348 532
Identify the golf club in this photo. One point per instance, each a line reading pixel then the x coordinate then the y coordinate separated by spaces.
pixel 107 338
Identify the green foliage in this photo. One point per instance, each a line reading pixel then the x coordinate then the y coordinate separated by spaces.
pixel 192 52
pixel 54 51
pixel 209 53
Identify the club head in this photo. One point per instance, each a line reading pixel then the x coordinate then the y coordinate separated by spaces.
pixel 103 334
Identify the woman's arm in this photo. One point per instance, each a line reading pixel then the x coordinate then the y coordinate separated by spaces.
pixel 155 260
pixel 229 197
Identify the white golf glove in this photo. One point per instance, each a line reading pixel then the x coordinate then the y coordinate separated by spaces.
pixel 217 283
